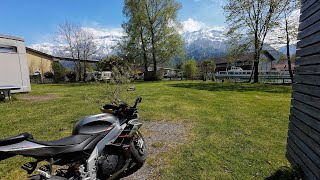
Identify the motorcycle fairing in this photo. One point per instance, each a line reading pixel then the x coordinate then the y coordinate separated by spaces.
pixel 107 140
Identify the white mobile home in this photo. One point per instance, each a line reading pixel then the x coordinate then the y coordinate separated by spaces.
pixel 13 63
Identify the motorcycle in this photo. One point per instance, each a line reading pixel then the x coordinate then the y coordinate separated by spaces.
pixel 103 146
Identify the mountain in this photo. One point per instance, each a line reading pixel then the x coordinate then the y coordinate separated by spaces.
pixel 105 46
pixel 205 43
pixel 202 44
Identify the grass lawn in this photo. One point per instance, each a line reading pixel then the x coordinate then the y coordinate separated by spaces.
pixel 237 131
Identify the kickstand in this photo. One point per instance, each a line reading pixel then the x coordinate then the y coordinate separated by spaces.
pixel 50 165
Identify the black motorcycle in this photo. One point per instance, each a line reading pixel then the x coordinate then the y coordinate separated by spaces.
pixel 102 146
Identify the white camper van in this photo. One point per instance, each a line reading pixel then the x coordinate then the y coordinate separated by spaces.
pixel 13 63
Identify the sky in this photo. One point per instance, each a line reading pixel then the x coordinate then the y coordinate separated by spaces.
pixel 37 20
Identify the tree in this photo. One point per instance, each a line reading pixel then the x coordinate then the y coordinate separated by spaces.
pixel 252 20
pixel 152 34
pixel 134 45
pixel 190 68
pixel 291 31
pixel 59 72
pixel 211 68
pixel 43 67
pixel 109 62
pixel 235 50
pixel 78 45
pixel 207 69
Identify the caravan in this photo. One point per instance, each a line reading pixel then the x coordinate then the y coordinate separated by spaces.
pixel 13 64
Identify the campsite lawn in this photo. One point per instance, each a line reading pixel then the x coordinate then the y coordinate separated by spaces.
pixel 237 131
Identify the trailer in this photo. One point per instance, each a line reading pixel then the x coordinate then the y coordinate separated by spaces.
pixel 13 64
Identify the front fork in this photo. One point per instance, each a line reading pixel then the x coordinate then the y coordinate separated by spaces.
pixel 135 125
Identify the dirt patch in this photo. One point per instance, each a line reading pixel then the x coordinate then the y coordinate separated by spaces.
pixel 160 137
pixel 37 97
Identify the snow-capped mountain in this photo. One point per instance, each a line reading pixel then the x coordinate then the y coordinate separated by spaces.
pixel 205 43
pixel 204 34
pixel 49 48
pixel 105 45
pixel 199 44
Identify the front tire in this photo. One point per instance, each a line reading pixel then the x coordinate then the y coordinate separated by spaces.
pixel 139 155
pixel 138 149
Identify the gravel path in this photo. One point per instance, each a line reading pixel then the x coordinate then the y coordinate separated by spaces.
pixel 37 97
pixel 160 137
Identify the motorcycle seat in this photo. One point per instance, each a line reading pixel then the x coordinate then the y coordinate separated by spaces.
pixel 71 140
pixel 15 139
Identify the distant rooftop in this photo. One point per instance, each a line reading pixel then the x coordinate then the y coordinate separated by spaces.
pixel 11 37
pixel 59 57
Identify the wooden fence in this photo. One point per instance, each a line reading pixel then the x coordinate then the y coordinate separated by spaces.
pixel 303 147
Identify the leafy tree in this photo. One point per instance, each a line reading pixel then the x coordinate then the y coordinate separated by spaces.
pixel 109 62
pixel 152 35
pixel 48 74
pixel 59 72
pixel 210 65
pixel 190 68
pixel 72 76
pixel 207 69
pixel 252 20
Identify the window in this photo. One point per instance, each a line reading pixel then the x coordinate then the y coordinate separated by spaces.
pixel 8 49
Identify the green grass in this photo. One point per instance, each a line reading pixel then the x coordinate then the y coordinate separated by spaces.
pixel 237 131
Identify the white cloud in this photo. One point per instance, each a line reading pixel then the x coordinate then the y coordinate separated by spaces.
pixel 191 25
pixel 105 31
pixel 210 2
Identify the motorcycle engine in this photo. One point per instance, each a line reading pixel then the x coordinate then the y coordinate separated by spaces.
pixel 108 165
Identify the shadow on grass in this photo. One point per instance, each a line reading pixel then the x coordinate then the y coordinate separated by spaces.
pixel 66 84
pixel 240 87
pixel 286 173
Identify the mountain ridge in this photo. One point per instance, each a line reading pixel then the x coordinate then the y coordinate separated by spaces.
pixel 201 44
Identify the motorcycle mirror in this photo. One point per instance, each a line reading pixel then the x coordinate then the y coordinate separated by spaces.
pixel 139 99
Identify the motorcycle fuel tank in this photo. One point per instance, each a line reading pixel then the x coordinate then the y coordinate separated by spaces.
pixel 95 124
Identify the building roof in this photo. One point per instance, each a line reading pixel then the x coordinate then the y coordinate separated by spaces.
pixel 57 58
pixel 11 37
pixel 39 52
pixel 241 58
pixel 272 56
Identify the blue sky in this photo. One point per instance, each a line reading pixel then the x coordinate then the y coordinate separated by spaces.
pixel 36 20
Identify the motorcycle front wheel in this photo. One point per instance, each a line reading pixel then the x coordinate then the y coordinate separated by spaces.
pixel 138 148
pixel 139 154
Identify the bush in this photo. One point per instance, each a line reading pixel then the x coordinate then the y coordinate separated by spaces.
pixel 71 75
pixel 59 72
pixel 48 75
